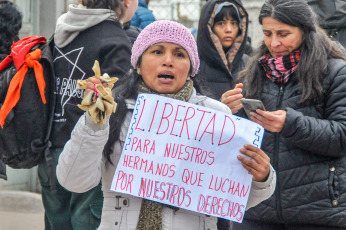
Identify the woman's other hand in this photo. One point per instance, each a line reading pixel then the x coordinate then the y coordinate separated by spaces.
pixel 258 164
pixel 270 120
pixel 232 98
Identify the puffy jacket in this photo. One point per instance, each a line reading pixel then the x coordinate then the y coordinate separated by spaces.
pixel 81 167
pixel 143 16
pixel 220 70
pixel 309 154
pixel 332 17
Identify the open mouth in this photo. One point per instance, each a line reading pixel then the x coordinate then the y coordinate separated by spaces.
pixel 166 76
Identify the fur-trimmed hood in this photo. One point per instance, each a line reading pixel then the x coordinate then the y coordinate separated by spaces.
pixel 209 45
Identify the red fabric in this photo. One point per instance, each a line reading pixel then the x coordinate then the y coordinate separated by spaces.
pixel 6 62
pixel 13 93
pixel 19 50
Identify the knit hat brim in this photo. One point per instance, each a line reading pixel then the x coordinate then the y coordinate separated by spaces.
pixel 166 31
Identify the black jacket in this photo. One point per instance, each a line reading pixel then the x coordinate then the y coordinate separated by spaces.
pixel 309 154
pixel 332 17
pixel 218 70
pixel 105 42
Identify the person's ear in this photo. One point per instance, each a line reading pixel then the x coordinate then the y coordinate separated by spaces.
pixel 138 70
pixel 127 3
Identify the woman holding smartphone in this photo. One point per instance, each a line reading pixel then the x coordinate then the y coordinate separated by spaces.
pixel 300 76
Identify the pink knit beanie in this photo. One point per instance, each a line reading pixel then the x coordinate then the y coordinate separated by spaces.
pixel 166 31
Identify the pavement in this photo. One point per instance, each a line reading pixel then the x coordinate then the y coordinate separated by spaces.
pixel 21 210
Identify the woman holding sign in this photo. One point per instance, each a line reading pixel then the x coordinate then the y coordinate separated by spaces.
pixel 300 76
pixel 164 58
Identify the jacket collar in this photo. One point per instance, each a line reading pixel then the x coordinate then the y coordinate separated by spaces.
pixel 209 46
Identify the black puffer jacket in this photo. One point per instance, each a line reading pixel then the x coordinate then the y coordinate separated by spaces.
pixel 309 154
pixel 332 15
pixel 220 71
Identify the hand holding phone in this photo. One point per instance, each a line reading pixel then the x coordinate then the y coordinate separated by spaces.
pixel 250 105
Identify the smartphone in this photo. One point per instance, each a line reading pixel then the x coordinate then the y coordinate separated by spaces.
pixel 250 105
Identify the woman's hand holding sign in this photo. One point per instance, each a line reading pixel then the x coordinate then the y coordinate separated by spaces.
pixel 258 165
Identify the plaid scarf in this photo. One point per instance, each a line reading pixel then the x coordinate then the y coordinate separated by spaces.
pixel 279 69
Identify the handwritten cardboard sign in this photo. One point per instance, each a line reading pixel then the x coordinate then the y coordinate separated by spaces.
pixel 185 155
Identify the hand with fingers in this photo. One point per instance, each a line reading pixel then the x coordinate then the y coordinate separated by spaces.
pixel 258 164
pixel 270 120
pixel 98 100
pixel 232 98
pixel 90 85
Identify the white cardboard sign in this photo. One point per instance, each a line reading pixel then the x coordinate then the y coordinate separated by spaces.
pixel 185 155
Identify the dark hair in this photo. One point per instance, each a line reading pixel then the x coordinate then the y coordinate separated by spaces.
pixel 10 24
pixel 113 5
pixel 125 88
pixel 227 12
pixel 316 49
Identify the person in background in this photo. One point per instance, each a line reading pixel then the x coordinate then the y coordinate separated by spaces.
pixel 131 31
pixel 164 59
pixel 222 42
pixel 222 45
pixel 300 76
pixel 10 24
pixel 89 31
pixel 143 15
pixel 332 17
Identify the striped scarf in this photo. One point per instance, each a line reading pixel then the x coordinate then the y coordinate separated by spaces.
pixel 280 69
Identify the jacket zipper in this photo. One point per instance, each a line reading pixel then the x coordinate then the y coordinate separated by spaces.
pixel 276 154
pixel 281 92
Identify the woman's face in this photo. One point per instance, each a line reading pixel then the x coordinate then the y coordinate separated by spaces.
pixel 281 39
pixel 226 30
pixel 165 67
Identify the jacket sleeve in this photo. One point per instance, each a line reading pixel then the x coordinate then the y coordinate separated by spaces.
pixel 80 163
pixel 261 191
pixel 325 136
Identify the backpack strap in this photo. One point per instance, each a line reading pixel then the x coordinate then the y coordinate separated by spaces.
pixel 36 145
pixel 48 156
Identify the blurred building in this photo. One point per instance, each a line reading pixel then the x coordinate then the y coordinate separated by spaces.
pixel 39 16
